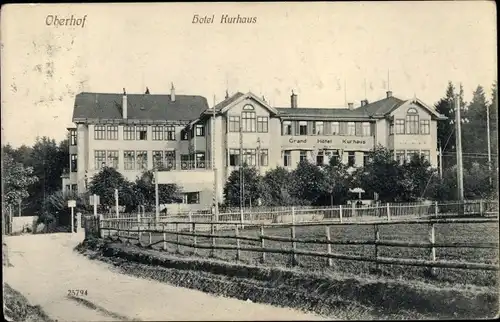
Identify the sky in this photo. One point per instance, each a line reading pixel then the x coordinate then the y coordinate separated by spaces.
pixel 313 48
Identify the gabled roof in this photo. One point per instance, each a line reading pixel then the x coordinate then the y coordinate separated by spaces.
pixel 139 106
pixel 387 105
pixel 229 102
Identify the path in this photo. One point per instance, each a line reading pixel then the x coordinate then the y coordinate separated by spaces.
pixel 45 267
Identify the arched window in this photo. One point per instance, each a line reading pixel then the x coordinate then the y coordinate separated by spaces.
pixel 412 121
pixel 248 118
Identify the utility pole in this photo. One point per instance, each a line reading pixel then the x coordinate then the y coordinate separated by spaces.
pixel 460 170
pixel 489 140
pixel 242 177
pixel 157 198
pixel 440 161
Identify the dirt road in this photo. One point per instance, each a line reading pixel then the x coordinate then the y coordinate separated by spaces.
pixel 45 269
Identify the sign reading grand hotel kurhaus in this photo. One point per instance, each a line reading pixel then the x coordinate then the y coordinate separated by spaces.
pixel 328 142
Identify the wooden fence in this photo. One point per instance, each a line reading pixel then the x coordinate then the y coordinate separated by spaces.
pixel 130 230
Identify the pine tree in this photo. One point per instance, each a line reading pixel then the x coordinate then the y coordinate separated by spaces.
pixel 474 128
pixel 446 129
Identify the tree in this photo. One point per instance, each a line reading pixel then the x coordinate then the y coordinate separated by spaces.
pixel 144 189
pixel 55 208
pixel 381 175
pixel 48 163
pixel 307 183
pixel 336 182
pixel 474 129
pixel 252 183
pixel 416 178
pixel 104 184
pixel 275 188
pixel 493 112
pixel 16 180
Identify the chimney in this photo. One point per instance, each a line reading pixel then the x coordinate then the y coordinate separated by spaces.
pixel 364 102
pixel 124 104
pixel 389 94
pixel 172 93
pixel 293 100
pixel 351 106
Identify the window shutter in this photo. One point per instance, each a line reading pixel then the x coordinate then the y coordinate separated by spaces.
pixel 327 128
pixel 343 128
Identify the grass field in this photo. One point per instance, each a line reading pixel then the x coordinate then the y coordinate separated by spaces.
pixel 470 233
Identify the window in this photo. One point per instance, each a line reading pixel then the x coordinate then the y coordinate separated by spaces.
pixel 425 126
pixel 68 188
pixel 99 159
pixel 320 158
pixel 129 160
pixel 112 159
pixel 412 121
pixel 319 128
pixel 185 162
pixel 157 133
pixel 303 128
pixel 234 157
pixel 74 163
pixel 427 155
pixel 400 126
pixel 157 158
pixel 129 132
pixel 234 124
pixel 170 133
pixel 200 160
pixel 184 135
pixel 410 154
pixel 303 156
pixel 112 132
pixel 335 128
pixel 287 158
pixel 335 156
pixel 366 129
pixel 248 120
pixel 170 159
pixel 400 156
pixel 351 128
pixel 264 158
pixel 74 188
pixel 142 132
pixel 287 128
pixel 391 128
pixel 200 130
pixel 142 160
pixel 262 124
pixel 249 157
pixel 351 158
pixel 72 137
pixel 100 132
pixel 192 197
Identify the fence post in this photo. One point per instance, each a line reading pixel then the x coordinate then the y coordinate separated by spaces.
pixel 340 213
pixel 164 239
pixel 129 227
pixel 294 246
pixel 236 233
pixel 178 237
pixel 190 220
pixel 377 238
pixel 212 250
pixel 139 228
pixel 436 209
pixel 481 207
pixel 263 259
pixel 388 212
pixel 432 239
pixel 328 246
pixel 242 217
pixel 150 241
pixel 293 215
pixel 193 229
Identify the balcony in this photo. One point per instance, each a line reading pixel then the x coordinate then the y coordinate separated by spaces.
pixel 184 165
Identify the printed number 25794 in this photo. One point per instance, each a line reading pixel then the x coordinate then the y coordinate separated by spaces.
pixel 77 292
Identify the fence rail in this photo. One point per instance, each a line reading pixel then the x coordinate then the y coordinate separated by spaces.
pixel 131 230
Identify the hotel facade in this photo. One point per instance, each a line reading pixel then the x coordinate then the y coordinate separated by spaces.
pixel 136 132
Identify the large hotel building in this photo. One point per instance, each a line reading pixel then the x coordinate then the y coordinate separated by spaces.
pixel 134 132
